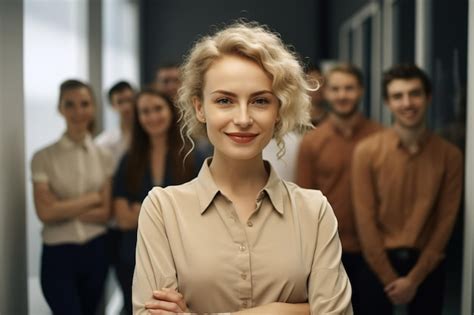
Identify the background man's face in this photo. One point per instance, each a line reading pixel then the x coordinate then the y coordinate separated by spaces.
pixel 407 101
pixel 168 81
pixel 343 93
pixel 122 102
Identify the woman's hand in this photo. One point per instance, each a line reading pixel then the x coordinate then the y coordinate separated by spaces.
pixel 166 301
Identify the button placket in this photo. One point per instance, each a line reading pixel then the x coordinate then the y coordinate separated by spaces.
pixel 242 250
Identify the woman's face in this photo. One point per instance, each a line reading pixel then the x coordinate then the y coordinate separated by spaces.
pixel 77 108
pixel 238 107
pixel 154 114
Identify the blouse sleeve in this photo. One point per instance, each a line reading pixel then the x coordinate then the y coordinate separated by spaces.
pixel 39 172
pixel 154 268
pixel 329 289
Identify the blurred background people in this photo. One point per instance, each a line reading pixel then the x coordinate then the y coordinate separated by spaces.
pixel 156 158
pixel 167 80
pixel 406 187
pixel 71 184
pixel 325 155
pixel 315 79
pixel 121 97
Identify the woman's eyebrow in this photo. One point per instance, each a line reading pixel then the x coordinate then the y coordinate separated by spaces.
pixel 233 94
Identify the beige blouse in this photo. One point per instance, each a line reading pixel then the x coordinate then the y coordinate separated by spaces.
pixel 190 239
pixel 71 170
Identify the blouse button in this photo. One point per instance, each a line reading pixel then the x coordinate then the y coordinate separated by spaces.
pixel 249 223
pixel 244 276
pixel 242 248
pixel 244 304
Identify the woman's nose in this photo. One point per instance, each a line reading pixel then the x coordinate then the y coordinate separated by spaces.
pixel 242 117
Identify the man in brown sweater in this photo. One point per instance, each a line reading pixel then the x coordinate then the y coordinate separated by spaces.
pixel 325 155
pixel 406 189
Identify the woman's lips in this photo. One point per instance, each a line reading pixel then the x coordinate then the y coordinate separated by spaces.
pixel 241 137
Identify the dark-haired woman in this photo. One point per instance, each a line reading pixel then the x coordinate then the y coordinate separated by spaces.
pixel 71 183
pixel 155 158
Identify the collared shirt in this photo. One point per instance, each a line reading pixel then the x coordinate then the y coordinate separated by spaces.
pixel 115 142
pixel 405 199
pixel 324 163
pixel 191 239
pixel 71 170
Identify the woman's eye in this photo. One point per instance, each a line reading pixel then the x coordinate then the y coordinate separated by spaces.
pixel 223 101
pixel 261 101
pixel 85 104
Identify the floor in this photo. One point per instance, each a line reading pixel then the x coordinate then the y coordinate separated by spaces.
pixel 38 306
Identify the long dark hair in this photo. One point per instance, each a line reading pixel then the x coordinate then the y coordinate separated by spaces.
pixel 139 154
pixel 73 84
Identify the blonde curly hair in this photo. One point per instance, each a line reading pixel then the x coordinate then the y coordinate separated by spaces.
pixel 257 43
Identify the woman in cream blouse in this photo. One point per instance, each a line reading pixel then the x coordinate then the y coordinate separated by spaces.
pixel 71 183
pixel 238 238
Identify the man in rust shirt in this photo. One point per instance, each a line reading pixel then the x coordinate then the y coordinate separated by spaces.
pixel 324 160
pixel 318 111
pixel 406 189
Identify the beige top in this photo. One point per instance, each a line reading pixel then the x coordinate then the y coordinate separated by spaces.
pixel 71 170
pixel 405 200
pixel 190 239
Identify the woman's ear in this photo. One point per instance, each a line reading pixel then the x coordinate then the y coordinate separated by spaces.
pixel 197 103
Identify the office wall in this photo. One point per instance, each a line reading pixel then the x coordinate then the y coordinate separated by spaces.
pixel 338 11
pixel 169 28
pixel 13 279
pixel 120 49
pixel 55 49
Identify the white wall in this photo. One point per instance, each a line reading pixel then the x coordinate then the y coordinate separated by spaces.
pixel 55 49
pixel 12 187
pixel 120 49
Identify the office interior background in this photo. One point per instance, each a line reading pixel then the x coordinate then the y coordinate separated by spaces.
pixel 43 42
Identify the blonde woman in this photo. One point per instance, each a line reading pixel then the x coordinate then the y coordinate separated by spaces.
pixel 238 238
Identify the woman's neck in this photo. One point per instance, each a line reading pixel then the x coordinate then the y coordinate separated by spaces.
pixel 159 142
pixel 76 135
pixel 235 177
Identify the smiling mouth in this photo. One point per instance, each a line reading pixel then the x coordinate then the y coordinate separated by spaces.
pixel 241 137
pixel 409 114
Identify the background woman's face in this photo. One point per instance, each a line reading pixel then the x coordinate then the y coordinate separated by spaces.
pixel 77 108
pixel 154 114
